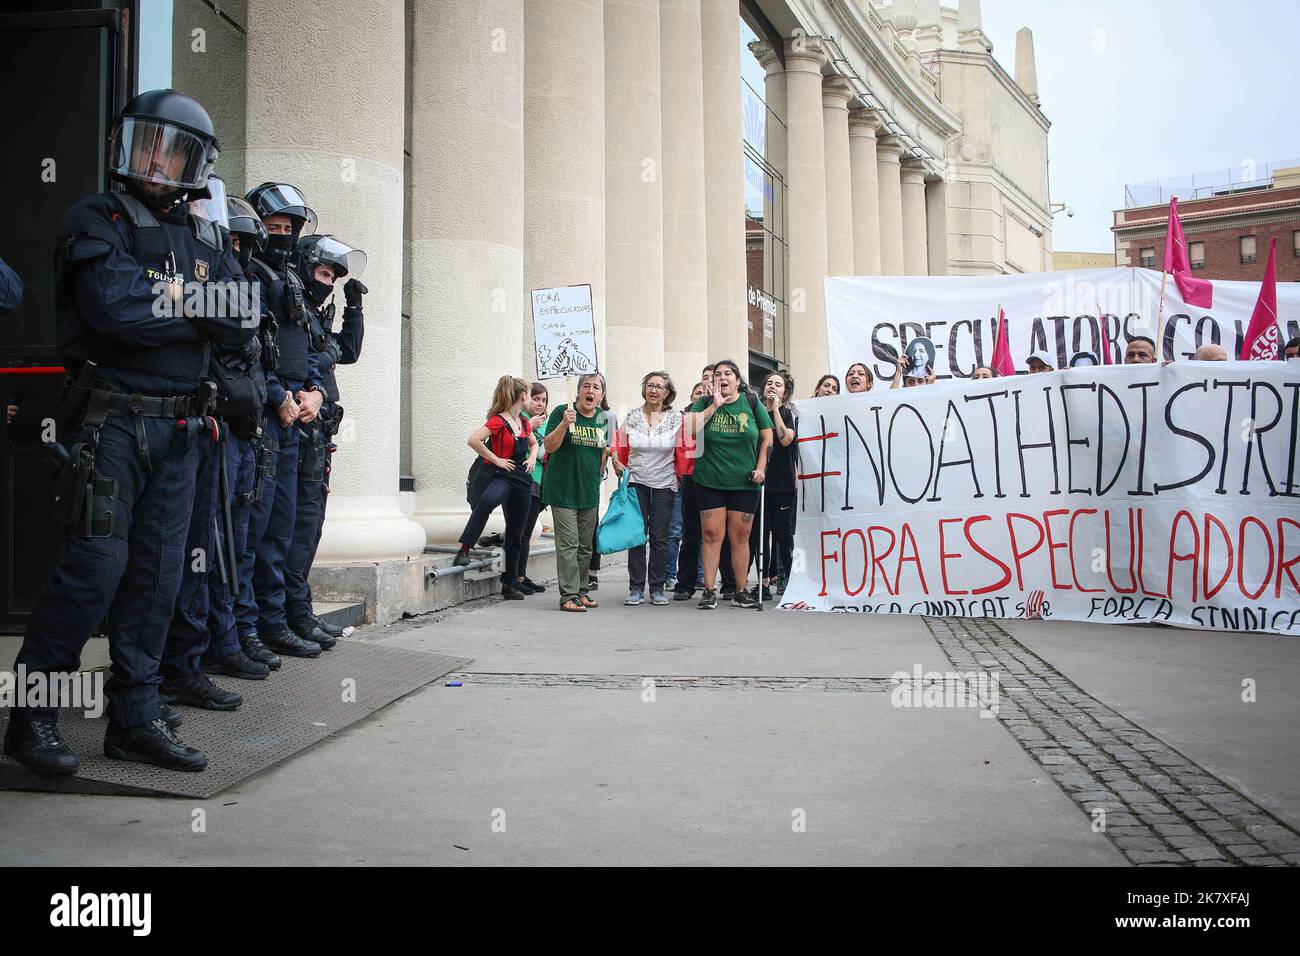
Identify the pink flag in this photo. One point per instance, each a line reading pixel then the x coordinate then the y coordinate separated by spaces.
pixel 1002 364
pixel 1197 292
pixel 1262 336
pixel 1106 357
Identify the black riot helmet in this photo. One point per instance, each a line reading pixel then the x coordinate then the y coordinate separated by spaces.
pixel 247 226
pixel 313 251
pixel 281 199
pixel 163 146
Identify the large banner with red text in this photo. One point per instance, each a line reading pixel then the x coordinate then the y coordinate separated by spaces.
pixel 1117 494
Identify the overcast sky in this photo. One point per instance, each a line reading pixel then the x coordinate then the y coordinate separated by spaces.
pixel 1139 90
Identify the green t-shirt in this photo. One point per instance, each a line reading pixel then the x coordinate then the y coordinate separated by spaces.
pixel 572 475
pixel 539 434
pixel 729 445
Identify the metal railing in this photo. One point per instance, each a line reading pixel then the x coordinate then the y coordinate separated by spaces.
pixel 1217 182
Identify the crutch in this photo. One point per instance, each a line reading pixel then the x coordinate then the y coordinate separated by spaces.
pixel 758 570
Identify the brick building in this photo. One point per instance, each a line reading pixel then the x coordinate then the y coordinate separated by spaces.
pixel 1227 231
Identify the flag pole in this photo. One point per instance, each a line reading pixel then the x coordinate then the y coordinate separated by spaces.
pixel 1160 318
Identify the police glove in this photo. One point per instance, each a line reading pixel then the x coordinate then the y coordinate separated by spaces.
pixel 353 290
pixel 251 350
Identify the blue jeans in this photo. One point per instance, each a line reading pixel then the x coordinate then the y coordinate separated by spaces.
pixel 674 535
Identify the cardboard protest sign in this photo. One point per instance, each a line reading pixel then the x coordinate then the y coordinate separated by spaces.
pixel 565 331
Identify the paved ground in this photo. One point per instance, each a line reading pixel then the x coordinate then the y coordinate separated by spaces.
pixel 762 738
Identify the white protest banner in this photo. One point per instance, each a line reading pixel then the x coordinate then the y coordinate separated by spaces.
pixel 872 318
pixel 1132 493
pixel 565 330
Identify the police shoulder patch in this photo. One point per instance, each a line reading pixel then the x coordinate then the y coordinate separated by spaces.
pixel 201 269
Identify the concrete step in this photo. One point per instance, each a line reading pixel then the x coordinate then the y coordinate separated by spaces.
pixel 341 614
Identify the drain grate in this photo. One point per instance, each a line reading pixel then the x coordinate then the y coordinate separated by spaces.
pixel 299 705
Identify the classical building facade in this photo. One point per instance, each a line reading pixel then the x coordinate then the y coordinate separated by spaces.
pixel 702 164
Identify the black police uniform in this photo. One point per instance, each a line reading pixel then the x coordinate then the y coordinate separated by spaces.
pixel 316 457
pixel 141 412
pixel 260 606
pixel 203 626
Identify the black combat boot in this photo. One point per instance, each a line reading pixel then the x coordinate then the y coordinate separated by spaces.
pixel 238 665
pixel 38 745
pixel 255 650
pixel 197 690
pixel 288 643
pixel 333 630
pixel 154 743
pixel 308 631
pixel 171 716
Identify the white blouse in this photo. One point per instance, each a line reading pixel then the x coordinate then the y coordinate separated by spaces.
pixel 650 450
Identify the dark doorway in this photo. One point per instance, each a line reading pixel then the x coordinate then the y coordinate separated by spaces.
pixel 65 73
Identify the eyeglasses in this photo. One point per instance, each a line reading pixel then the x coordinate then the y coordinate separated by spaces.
pixel 657 388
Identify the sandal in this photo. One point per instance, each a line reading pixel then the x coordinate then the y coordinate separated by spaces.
pixel 572 604
pixel 587 601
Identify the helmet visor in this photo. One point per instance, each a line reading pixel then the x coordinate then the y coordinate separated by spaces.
pixel 161 153
pixel 345 260
pixel 283 199
pixel 213 208
pixel 244 221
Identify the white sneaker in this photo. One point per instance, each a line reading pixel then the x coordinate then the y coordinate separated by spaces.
pixel 634 598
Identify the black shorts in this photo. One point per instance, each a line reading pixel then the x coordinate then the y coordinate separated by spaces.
pixel 711 498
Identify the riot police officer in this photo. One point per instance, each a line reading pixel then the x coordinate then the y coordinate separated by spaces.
pixel 260 608
pixel 228 652
pixel 203 624
pixel 136 339
pixel 321 262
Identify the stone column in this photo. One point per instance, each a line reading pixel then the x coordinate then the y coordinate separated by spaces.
pixel 839 190
pixel 806 163
pixel 916 258
pixel 936 225
pixel 724 182
pixel 467 236
pixel 774 205
pixel 347 158
pixel 685 231
pixel 564 159
pixel 634 215
pixel 888 153
pixel 866 192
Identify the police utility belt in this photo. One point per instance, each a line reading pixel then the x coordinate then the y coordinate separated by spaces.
pixel 92 505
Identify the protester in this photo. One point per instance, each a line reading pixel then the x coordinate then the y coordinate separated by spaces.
pixel 706 376
pixel 1140 351
pixel 1038 362
pixel 858 378
pixel 593 570
pixel 1083 360
pixel 577 447
pixel 690 570
pixel 982 373
pixel 1209 352
pixel 651 435
pixel 539 398
pixel 780 487
pixel 506 443
pixel 735 435
pixel 826 385
pixel 1292 349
